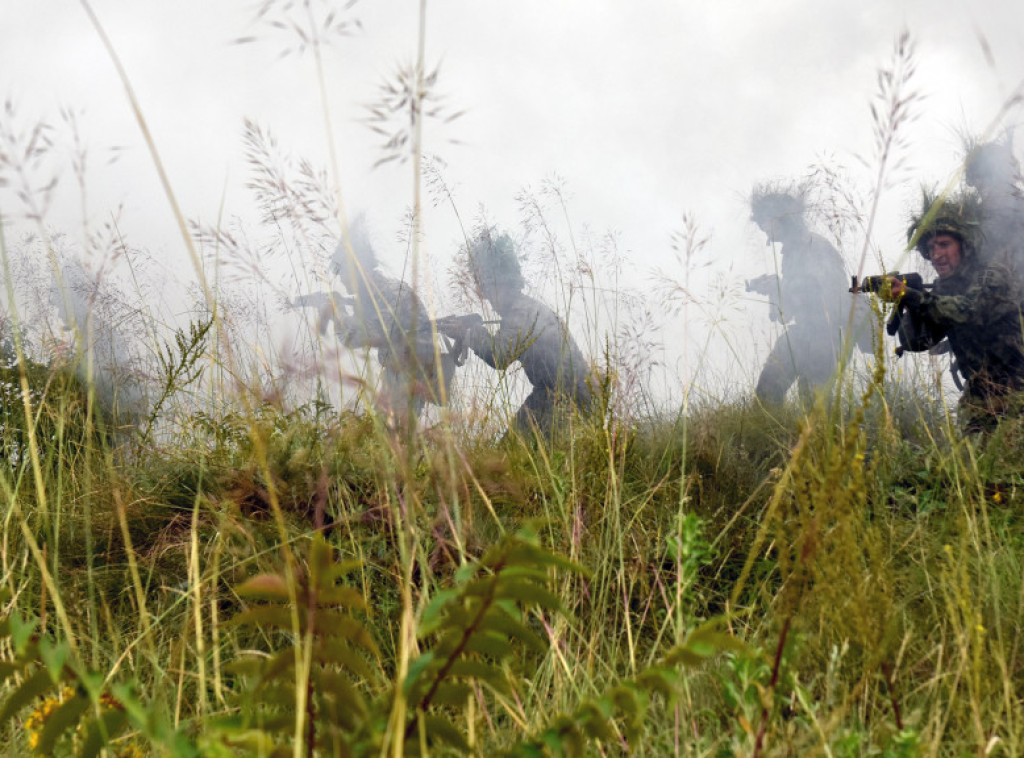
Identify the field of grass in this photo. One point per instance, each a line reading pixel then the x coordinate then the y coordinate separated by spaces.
pixel 844 581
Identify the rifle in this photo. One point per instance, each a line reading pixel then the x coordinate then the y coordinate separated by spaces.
pixel 881 284
pixel 876 284
pixel 459 326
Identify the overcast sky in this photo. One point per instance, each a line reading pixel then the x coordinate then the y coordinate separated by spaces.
pixel 646 110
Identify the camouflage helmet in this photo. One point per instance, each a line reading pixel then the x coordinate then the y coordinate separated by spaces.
pixel 493 262
pixel 991 163
pixel 771 202
pixel 956 215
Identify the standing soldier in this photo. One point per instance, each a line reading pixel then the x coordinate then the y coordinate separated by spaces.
pixel 994 172
pixel 530 333
pixel 974 303
pixel 810 298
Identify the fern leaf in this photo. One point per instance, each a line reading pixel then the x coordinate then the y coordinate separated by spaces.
pixel 442 729
pixel 452 693
pixel 333 652
pixel 501 621
pixel 276 617
pixel 264 587
pixel 480 671
pixel 488 643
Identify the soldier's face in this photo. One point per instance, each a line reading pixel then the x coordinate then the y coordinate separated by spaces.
pixel 944 251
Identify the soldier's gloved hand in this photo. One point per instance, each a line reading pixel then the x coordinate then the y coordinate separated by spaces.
pixel 458 326
pixel 473 321
pixel 894 291
pixel 765 284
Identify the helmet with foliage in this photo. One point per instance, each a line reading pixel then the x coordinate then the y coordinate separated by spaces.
pixel 773 202
pixel 991 164
pixel 493 261
pixel 957 215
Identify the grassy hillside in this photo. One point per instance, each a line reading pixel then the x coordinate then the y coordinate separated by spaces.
pixel 844 581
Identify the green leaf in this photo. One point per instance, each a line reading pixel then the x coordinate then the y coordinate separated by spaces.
pixel 440 728
pixel 99 731
pixel 342 569
pixel 10 668
pixel 344 626
pixel 267 617
pixel 280 667
pixel 529 594
pixel 63 719
pixel 665 683
pixel 488 673
pixel 451 693
pixel 483 586
pixel 498 619
pixel 53 655
pixel 490 644
pixel 338 695
pixel 30 689
pixel 533 555
pixel 417 668
pixel 594 721
pixel 681 655
pixel 21 631
pixel 333 652
pixel 703 642
pixel 433 614
pixel 347 597
pixel 265 587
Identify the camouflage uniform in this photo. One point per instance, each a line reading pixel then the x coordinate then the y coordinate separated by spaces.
pixel 977 308
pixel 532 334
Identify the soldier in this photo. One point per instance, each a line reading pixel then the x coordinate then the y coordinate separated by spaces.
pixel 975 304
pixel 530 333
pixel 386 314
pixel 810 298
pixel 993 171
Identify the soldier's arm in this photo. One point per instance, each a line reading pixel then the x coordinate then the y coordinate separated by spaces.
pixel 481 342
pixel 916 332
pixel 989 297
pixel 766 284
pixel 508 345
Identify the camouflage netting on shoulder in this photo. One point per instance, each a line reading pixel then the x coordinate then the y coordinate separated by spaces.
pixel 957 214
pixel 493 261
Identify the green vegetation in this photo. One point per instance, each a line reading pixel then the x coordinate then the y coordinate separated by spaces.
pixel 306 582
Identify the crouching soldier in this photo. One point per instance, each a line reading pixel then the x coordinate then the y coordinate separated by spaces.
pixel 976 305
pixel 530 333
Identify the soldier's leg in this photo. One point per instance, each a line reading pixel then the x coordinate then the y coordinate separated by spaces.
pixel 536 411
pixel 976 413
pixel 778 373
pixel 816 361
